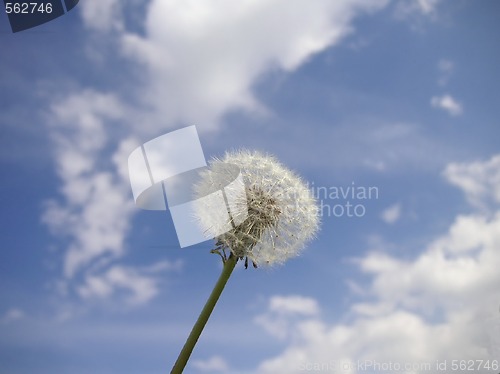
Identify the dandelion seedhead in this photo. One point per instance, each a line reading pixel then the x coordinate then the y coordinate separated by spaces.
pixel 280 212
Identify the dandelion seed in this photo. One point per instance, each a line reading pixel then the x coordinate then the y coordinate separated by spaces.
pixel 281 212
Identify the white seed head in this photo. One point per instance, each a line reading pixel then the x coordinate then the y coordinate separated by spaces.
pixel 281 212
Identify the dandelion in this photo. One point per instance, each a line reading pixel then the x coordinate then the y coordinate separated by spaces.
pixel 281 212
pixel 271 221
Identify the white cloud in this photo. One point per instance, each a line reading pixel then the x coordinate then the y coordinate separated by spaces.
pixel 96 202
pixel 448 104
pixel 203 57
pixel 282 310
pixel 406 8
pixel 141 285
pixel 391 214
pixel 480 181
pixel 456 267
pixel 417 13
pixel 427 6
pixel 164 266
pixel 446 66
pixel 441 305
pixel 141 288
pixel 213 364
pixel 103 15
pixel 96 205
pixel 293 305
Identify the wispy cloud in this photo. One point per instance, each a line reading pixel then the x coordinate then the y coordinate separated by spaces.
pixel 391 214
pixel 426 6
pixel 140 285
pixel 283 310
pixel 214 364
pixel 93 212
pixel 480 181
pixel 446 69
pixel 448 104
pixel 374 144
pixel 408 8
pixel 293 305
pixel 96 204
pixel 417 13
pixel 103 15
pixel 12 315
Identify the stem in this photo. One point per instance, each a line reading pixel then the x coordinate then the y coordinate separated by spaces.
pixel 183 358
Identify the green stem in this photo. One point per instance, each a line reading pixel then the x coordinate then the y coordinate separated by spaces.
pixel 183 358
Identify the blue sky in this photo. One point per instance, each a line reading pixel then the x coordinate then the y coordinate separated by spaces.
pixel 397 95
